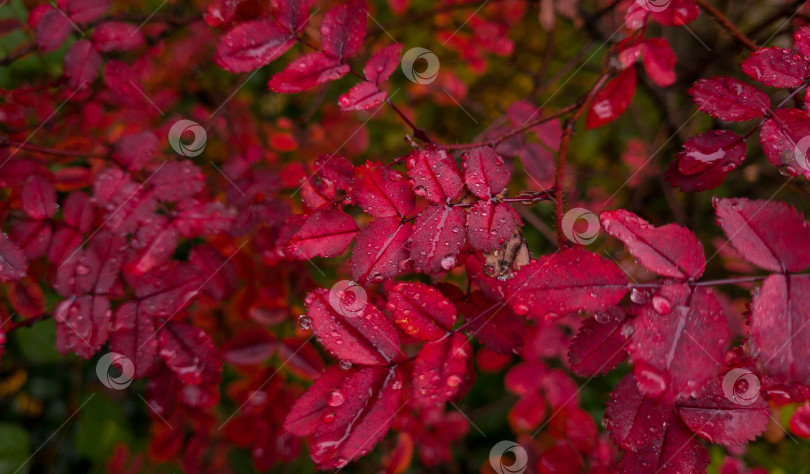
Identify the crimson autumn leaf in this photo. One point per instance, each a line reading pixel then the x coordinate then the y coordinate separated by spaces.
pixel 434 175
pixel 801 41
pixel 493 323
pixel 82 64
pixel 26 298
pixel 13 264
pixel 154 244
pixel 117 36
pixel 136 150
pixel 600 344
pixel 123 83
pixel 611 102
pixel 490 224
pixel 776 67
pixel 421 310
pixel 358 414
pixel 569 280
pixel 307 412
pixel 38 197
pixel 363 96
pixel 675 13
pixel 380 249
pixel 52 29
pixel 783 139
pixel 343 29
pixel 133 335
pixel 659 61
pixel 326 233
pixel 442 370
pixel 188 352
pixel 382 192
pixel 485 172
pixel 729 99
pixel 93 269
pixel 85 11
pixel 769 234
pixel 176 180
pixel 252 45
pixel 360 336
pixel 383 63
pixel 670 251
pixel 780 327
pixel 332 175
pixel 438 236
pixel 307 72
pixel 706 159
pixel 678 341
pixel 293 14
pixel 82 325
pixel 250 346
pixel 719 419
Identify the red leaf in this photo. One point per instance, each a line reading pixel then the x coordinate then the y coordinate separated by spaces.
pixel 679 339
pixel 441 370
pixel 706 159
pixel 188 352
pixel 776 67
pixel 363 410
pixel 195 218
pixel 801 38
pixel 166 289
pixel 117 36
pixel 38 197
pixel 52 30
pixel 675 12
pixel 326 233
pixel 671 251
pixel 380 249
pixel 343 29
pixel 634 419
pixel 382 192
pixel 34 238
pixel 82 63
pixel 720 420
pixel 569 280
pixel 438 238
pixel 85 11
pixel 252 45
pixel 133 335
pixel 306 72
pixel 94 269
pixel 780 327
pixel 177 180
pixel 494 324
pixel 800 421
pixel 293 14
pixel 784 140
pixel 434 175
pixel 421 310
pixel 250 346
pixel 769 234
pixel 305 415
pixel 729 99
pixel 13 265
pixel 363 337
pixel 123 83
pixel 82 325
pixel 659 61
pixel 613 99
pixel 485 172
pixel 363 96
pixel 489 225
pixel 26 298
pixel 599 345
pixel 383 63
pixel 135 151
pixel 154 243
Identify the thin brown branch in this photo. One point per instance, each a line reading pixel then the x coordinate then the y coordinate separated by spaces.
pixel 727 24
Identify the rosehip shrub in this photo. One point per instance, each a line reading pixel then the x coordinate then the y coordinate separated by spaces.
pixel 394 236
